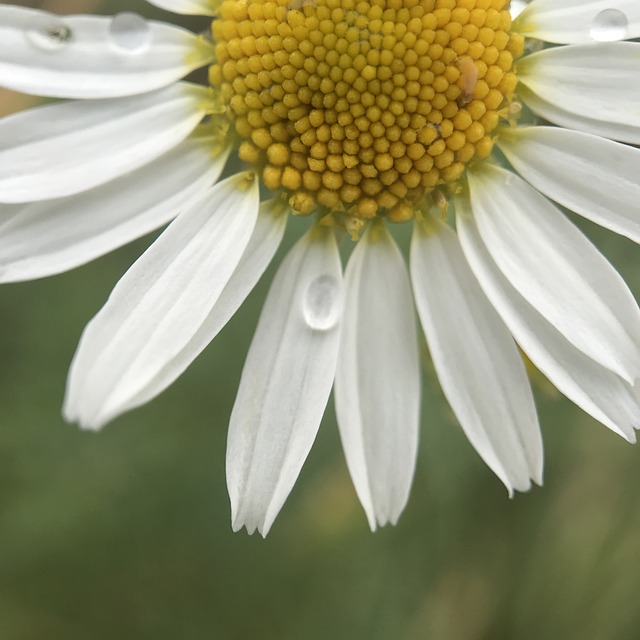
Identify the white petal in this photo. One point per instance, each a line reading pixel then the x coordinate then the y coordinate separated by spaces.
pixel 594 177
pixel 93 56
pixel 377 388
pixel 477 362
pixel 160 302
pixel 45 238
pixel 62 149
pixel 262 246
pixel 557 270
pixel 187 7
pixel 8 212
pixel 595 389
pixel 574 21
pixel 566 118
pixel 597 81
pixel 286 381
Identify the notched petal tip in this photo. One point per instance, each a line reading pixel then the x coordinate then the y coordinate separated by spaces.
pixel 389 519
pixel 236 527
pixel 90 427
pixel 379 519
pixel 250 523
pixel 74 415
pixel 514 489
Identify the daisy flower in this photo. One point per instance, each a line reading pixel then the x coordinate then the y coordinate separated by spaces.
pixel 449 115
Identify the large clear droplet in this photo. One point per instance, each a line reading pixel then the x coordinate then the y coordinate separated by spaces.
pixel 130 32
pixel 322 303
pixel 51 36
pixel 609 25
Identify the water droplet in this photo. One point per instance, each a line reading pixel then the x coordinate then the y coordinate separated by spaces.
pixel 609 25
pixel 322 303
pixel 130 32
pixel 51 35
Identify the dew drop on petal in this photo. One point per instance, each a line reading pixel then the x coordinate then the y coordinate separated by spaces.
pixel 129 32
pixel 322 302
pixel 609 25
pixel 51 36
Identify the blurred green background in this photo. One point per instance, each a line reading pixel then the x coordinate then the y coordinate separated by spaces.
pixel 126 534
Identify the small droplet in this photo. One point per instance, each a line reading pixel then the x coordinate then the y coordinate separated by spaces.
pixel 130 32
pixel 322 303
pixel 51 36
pixel 609 25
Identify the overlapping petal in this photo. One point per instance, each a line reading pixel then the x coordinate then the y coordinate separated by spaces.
pixel 595 389
pixel 564 117
pixel 93 56
pixel 264 241
pixel 477 362
pixel 377 387
pixel 590 175
pixel 63 149
pixel 596 81
pixel 44 238
pixel 556 269
pixel 162 300
pixel 286 381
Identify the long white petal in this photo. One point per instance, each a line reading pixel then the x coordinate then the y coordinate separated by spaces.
pixel 93 56
pixel 63 149
pixel 557 270
pixel 597 81
pixel 44 238
pixel 377 388
pixel 595 389
pixel 562 117
pixel 597 178
pixel 576 21
pixel 559 115
pixel 162 300
pixel 286 381
pixel 477 362
pixel 264 241
pixel 187 7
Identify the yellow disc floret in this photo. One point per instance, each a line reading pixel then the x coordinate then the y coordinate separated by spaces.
pixel 363 106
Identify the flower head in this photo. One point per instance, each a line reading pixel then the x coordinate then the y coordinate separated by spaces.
pixel 358 114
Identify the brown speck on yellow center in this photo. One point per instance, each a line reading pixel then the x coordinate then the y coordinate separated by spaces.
pixel 365 107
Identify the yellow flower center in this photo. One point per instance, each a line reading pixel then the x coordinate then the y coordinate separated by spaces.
pixel 365 107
